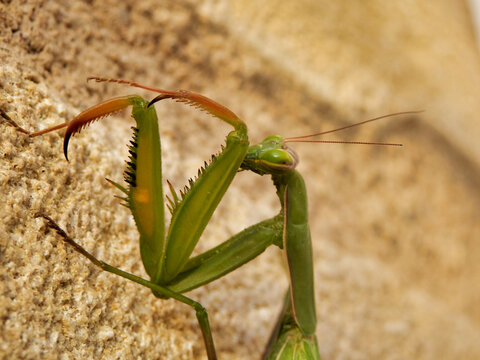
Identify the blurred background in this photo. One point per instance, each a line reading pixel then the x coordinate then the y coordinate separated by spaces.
pixel 395 230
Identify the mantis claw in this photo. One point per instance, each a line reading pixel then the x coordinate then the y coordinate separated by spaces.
pixel 157 99
pixel 52 224
pixel 92 114
pixel 78 248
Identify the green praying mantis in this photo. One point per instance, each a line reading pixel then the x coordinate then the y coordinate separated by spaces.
pixel 166 252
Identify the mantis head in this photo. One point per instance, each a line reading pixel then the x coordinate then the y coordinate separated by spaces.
pixel 271 156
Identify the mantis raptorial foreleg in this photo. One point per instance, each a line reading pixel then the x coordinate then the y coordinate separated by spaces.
pixel 166 252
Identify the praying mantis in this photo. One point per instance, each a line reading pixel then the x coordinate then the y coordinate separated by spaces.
pixel 166 252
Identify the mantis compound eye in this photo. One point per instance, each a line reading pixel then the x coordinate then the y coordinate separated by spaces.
pixel 279 159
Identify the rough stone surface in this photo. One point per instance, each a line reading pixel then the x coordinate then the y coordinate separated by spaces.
pixel 396 233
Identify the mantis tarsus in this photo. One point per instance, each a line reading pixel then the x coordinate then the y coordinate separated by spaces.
pixel 166 252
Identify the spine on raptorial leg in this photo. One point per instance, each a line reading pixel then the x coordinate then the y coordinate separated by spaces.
pixel 192 210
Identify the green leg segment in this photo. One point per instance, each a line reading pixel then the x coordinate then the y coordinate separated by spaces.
pixel 228 256
pixel 287 342
pixel 201 312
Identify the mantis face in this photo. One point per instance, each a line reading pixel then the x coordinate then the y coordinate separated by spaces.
pixel 271 156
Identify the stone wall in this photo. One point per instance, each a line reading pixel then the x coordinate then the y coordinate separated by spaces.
pixel 395 230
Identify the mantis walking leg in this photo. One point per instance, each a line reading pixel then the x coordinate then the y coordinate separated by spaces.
pixel 200 312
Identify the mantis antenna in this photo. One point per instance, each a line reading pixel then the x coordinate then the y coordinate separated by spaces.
pixel 299 139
